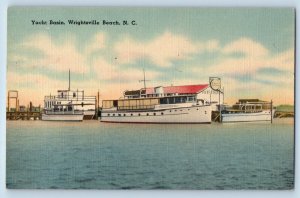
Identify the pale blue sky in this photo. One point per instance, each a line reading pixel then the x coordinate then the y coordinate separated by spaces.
pixel 251 49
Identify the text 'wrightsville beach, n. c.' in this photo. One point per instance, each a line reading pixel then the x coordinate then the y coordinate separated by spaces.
pixel 84 22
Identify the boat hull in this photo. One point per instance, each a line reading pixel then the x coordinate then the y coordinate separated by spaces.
pixel 247 117
pixel 89 114
pixel 194 114
pixel 62 117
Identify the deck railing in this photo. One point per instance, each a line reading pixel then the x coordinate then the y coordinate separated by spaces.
pixel 137 107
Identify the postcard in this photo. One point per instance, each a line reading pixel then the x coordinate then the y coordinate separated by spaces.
pixel 150 98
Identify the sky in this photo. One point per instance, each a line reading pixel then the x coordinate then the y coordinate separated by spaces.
pixel 250 49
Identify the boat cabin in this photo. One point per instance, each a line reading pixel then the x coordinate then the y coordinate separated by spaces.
pixel 179 94
pixel 148 103
pixel 250 105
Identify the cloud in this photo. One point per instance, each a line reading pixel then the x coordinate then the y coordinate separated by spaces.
pixel 252 74
pixel 161 50
pixel 55 56
pixel 213 45
pixel 114 72
pixel 255 57
pixel 96 43
pixel 247 46
pixel 245 65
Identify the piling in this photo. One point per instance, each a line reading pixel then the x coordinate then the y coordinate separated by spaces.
pixel 23 113
pixel 271 111
pixel 216 116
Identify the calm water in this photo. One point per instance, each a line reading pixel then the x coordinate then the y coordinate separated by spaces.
pixel 124 156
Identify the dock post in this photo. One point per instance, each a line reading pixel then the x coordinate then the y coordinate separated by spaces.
pixel 8 102
pixel 220 115
pixel 271 111
pixel 98 98
pixel 18 105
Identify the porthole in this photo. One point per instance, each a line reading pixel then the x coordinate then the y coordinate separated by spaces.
pixel 124 114
pixel 154 113
pixel 131 114
pixel 108 114
pixel 113 114
pixel 162 113
pixel 139 114
pixel 205 112
pixel 170 111
pixel 119 114
pixel 147 114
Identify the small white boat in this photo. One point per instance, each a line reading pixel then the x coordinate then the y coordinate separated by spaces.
pixel 250 110
pixel 62 113
pixel 86 104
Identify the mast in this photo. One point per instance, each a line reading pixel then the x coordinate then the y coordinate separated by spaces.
pixel 69 80
pixel 144 80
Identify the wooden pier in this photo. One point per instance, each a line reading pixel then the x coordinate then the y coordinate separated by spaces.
pixel 284 114
pixel 19 112
pixel 28 115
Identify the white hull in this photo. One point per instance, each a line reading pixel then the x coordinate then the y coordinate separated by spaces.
pixel 62 117
pixel 89 112
pixel 247 117
pixel 191 114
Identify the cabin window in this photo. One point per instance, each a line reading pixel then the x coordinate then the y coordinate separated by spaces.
pixel 139 114
pixel 69 108
pixel 178 100
pixel 131 114
pixel 108 114
pixel 171 100
pixel 154 113
pixel 124 114
pixel 113 114
pixel 147 114
pixel 119 114
pixel 163 100
pixel 162 113
pixel 191 99
pixel 74 94
pixel 115 103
